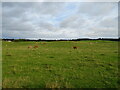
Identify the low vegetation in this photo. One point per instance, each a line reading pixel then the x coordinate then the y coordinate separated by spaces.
pixel 60 64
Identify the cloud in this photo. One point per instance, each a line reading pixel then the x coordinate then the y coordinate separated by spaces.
pixel 96 9
pixel 0 20
pixel 59 20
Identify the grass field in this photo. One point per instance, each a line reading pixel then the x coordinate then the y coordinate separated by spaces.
pixel 57 65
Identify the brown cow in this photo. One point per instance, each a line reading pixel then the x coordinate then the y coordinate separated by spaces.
pixel 74 47
pixel 36 46
pixel 29 46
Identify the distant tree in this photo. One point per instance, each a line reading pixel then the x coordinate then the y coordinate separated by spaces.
pixel 19 40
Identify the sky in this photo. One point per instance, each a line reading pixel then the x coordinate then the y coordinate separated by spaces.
pixel 59 20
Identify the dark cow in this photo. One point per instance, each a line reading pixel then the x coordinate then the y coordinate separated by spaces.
pixel 74 47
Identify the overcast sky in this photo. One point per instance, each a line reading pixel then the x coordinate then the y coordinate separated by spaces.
pixel 55 20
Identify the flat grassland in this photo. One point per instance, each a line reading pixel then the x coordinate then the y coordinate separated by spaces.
pixel 94 64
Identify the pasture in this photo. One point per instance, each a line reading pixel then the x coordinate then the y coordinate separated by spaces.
pixel 92 64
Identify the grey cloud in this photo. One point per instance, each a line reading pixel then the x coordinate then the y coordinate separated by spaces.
pixel 17 25
pixel 0 20
pixel 75 21
pixel 35 20
pixel 103 32
pixel 96 8
pixel 24 8
pixel 109 22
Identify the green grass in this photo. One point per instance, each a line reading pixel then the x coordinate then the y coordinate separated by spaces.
pixel 57 65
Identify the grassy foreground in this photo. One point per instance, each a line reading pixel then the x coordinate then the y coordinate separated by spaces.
pixel 58 65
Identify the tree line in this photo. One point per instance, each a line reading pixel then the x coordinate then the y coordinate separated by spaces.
pixel 79 39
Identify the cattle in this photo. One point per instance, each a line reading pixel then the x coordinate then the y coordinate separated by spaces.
pixel 74 47
pixel 33 46
pixel 29 46
pixel 36 46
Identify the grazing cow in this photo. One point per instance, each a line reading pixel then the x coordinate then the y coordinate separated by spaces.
pixel 36 46
pixel 29 46
pixel 74 47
